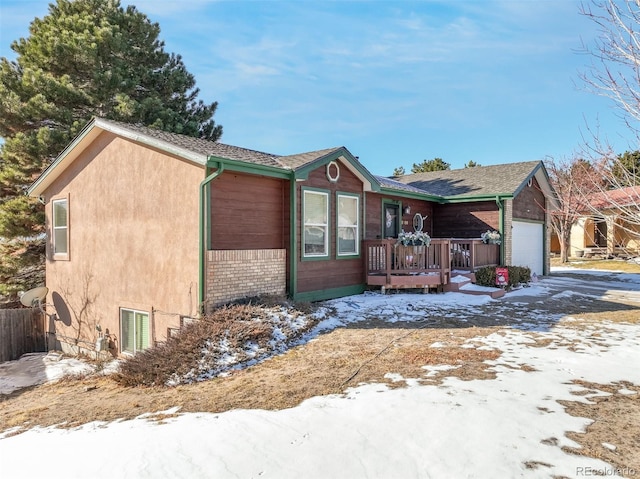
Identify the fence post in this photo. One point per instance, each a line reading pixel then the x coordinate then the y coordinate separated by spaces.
pixel 21 332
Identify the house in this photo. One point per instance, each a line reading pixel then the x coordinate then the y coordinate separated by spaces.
pixel 146 229
pixel 609 226
pixel 513 199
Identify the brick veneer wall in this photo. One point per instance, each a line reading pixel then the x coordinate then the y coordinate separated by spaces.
pixel 236 274
pixel 508 232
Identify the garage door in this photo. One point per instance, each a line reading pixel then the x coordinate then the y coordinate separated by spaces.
pixel 527 246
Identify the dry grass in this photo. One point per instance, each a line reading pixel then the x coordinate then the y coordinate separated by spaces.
pixel 628 316
pixel 320 367
pixel 616 421
pixel 603 264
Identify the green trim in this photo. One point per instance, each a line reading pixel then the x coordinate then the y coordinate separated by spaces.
pixel 332 293
pixel 411 194
pixel 252 168
pixel 293 235
pixel 383 219
pixel 523 220
pixel 470 199
pixel 337 225
pixel 545 256
pixel 205 236
pixel 322 257
pixel 303 171
pixel 530 177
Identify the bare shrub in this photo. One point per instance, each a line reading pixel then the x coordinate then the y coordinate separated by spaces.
pixel 229 337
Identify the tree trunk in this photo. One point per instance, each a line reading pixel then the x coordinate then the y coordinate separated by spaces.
pixel 565 247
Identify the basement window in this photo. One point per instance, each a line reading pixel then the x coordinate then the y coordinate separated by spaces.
pixel 134 330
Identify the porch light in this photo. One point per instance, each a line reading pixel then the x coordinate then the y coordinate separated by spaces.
pixel 406 210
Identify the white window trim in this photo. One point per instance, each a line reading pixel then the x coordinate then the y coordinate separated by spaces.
pixel 356 226
pixel 134 311
pixel 54 228
pixel 321 225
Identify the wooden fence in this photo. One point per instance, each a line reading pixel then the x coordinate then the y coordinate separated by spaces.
pixel 21 331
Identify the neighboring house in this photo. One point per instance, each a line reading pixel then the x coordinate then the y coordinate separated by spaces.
pixel 146 229
pixel 613 230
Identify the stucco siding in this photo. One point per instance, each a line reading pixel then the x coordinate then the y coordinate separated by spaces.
pixel 133 239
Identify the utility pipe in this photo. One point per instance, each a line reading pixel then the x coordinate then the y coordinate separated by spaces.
pixel 204 202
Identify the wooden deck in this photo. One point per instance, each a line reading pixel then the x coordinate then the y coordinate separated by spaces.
pixel 393 266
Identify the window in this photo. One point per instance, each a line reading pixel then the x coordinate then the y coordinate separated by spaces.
pixel 134 330
pixel 60 227
pixel 348 225
pixel 316 224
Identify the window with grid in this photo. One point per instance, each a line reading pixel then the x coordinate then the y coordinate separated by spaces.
pixel 348 225
pixel 60 223
pixel 316 224
pixel 134 330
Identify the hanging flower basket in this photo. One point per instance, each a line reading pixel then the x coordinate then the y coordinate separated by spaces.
pixel 417 238
pixel 491 237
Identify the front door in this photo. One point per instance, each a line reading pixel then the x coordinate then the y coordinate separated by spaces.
pixel 391 220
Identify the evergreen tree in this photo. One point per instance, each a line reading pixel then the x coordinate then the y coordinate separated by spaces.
pixel 85 58
pixel 437 164
pixel 399 171
pixel 625 170
pixel 471 164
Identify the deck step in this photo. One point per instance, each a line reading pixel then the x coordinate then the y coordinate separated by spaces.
pixel 458 280
pixel 456 283
pixel 463 282
pixel 495 293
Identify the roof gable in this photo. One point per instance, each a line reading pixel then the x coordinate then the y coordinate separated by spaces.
pixel 469 184
pixel 304 163
pixel 196 150
pixel 479 181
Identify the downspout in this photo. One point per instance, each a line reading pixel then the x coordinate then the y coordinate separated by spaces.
pixel 293 253
pixel 203 235
pixel 501 226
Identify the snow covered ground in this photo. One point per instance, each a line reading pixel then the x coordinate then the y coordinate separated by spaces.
pixel 510 426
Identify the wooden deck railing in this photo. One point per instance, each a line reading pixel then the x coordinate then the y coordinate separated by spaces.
pixel 390 264
pixel 385 261
pixel 471 254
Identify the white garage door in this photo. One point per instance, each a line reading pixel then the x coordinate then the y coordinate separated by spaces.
pixel 527 246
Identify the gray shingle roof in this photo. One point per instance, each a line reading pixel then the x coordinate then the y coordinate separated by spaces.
pixel 296 161
pixel 476 181
pixel 213 148
pixel 199 145
pixel 396 185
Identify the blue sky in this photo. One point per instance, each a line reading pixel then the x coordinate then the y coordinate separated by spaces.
pixel 396 82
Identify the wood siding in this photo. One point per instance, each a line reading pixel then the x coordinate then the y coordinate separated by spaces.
pixel 465 220
pixel 21 332
pixel 374 214
pixel 248 212
pixel 529 204
pixel 321 274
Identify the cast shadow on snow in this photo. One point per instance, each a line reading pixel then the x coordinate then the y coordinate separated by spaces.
pixel 539 313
